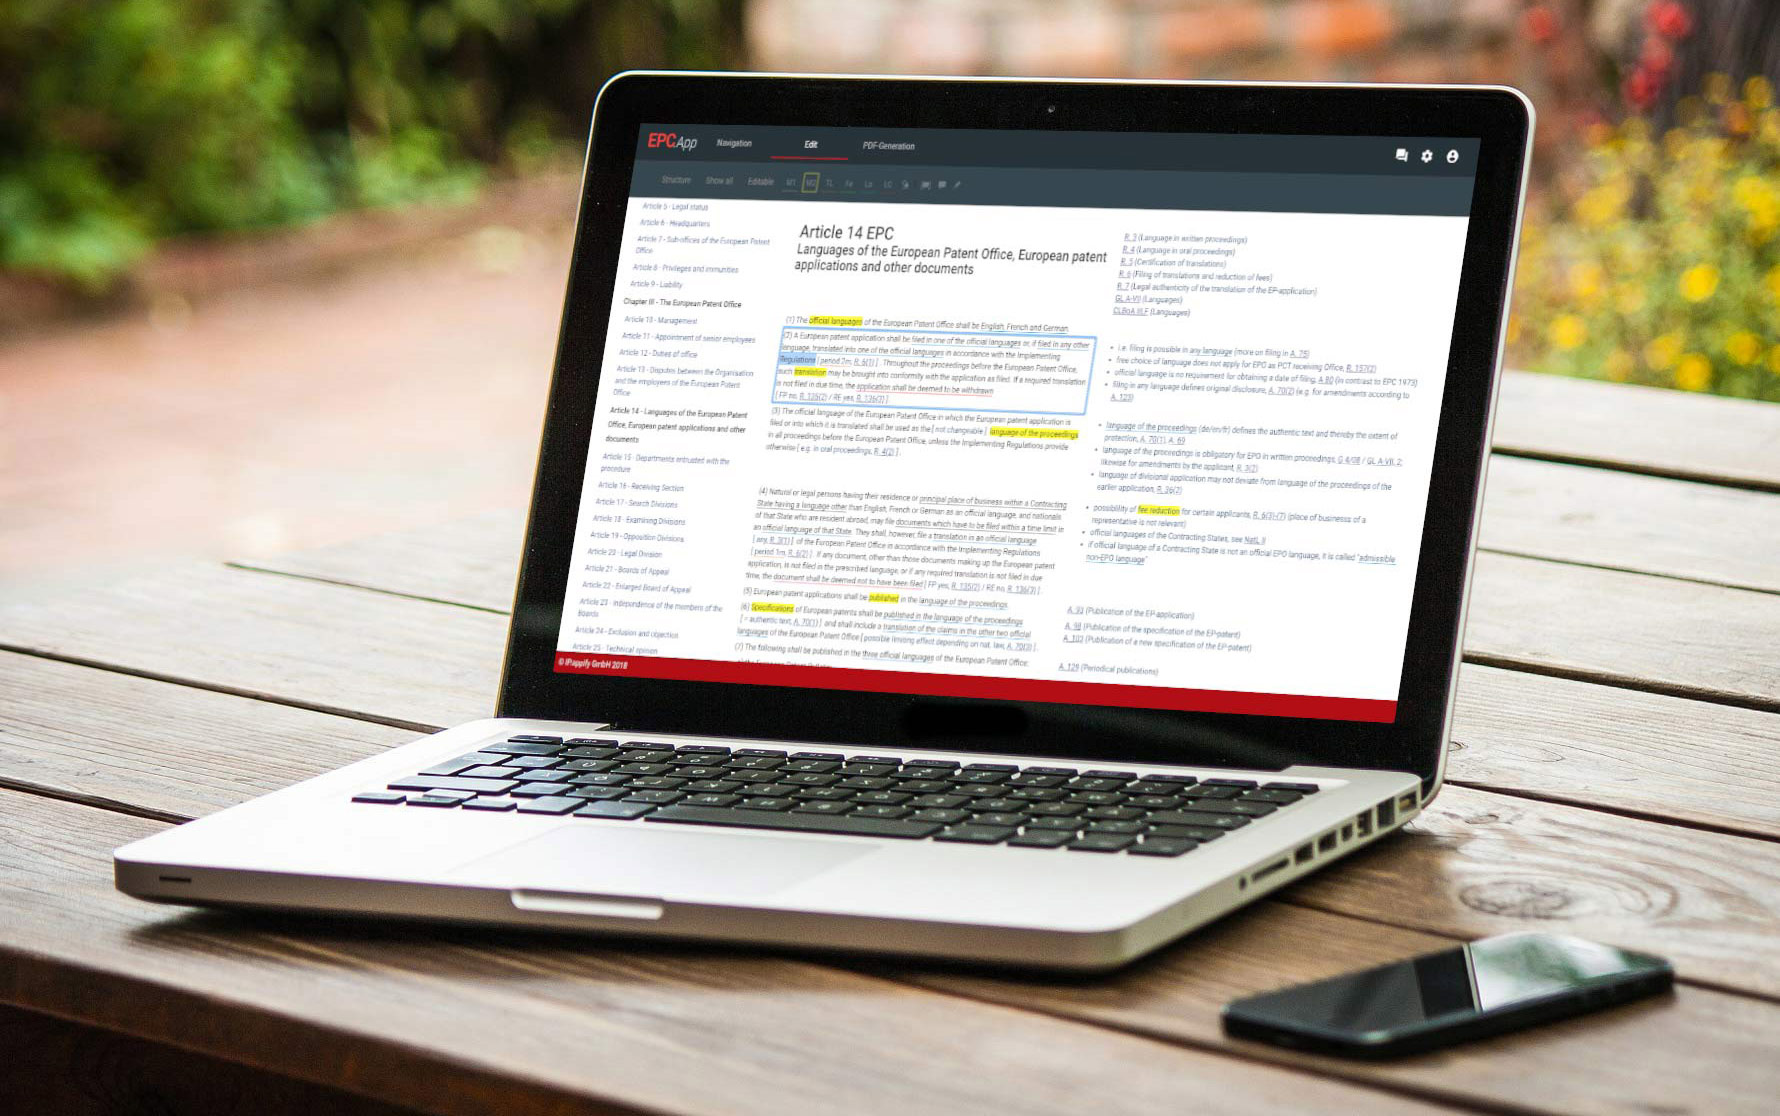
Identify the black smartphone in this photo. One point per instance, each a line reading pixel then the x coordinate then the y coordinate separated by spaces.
pixel 1484 988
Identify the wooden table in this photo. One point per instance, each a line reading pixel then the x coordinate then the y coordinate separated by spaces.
pixel 1616 774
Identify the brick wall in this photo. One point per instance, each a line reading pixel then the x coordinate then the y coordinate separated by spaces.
pixel 1381 40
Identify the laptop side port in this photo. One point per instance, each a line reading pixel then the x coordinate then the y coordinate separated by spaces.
pixel 1279 865
pixel 1303 854
pixel 1387 814
pixel 1326 843
pixel 1363 825
pixel 1406 802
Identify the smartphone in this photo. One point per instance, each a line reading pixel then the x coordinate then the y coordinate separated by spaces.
pixel 1484 988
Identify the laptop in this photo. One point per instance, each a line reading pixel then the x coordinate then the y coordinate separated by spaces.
pixel 997 520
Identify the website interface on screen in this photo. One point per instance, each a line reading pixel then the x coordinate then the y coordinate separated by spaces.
pixel 1141 420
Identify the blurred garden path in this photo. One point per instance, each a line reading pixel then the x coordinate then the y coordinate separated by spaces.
pixel 407 391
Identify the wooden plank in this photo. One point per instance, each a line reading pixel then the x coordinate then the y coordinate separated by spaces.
pixel 1650 754
pixel 162 750
pixel 1701 1051
pixel 471 562
pixel 462 1021
pixel 1654 633
pixel 49 1067
pixel 1478 863
pixel 1631 522
pixel 322 646
pixel 1176 996
pixel 1644 429
pixel 1675 636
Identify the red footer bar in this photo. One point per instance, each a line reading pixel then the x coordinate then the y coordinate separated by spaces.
pixel 959 686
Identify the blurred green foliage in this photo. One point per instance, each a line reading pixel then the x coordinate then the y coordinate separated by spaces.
pixel 123 121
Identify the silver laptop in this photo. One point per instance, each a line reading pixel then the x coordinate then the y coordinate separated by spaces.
pixel 1014 521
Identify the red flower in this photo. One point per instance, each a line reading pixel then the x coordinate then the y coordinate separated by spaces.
pixel 1641 88
pixel 1540 23
pixel 1668 18
pixel 1657 56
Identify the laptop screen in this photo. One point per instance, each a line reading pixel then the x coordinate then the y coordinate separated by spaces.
pixel 1139 420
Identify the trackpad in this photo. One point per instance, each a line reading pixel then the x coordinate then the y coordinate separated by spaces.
pixel 659 862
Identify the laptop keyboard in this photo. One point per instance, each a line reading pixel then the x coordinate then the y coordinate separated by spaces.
pixel 1035 807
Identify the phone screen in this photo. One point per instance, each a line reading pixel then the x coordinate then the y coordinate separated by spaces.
pixel 1489 977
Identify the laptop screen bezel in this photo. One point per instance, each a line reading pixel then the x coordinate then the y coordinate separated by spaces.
pixel 1414 742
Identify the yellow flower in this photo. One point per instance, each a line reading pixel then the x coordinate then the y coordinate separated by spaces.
pixel 1628 298
pixel 1602 205
pixel 1568 331
pixel 1774 360
pixel 1618 365
pixel 1585 280
pixel 1718 88
pixel 1662 351
pixel 1758 92
pixel 1698 282
pixel 1743 347
pixel 1773 282
pixel 1694 373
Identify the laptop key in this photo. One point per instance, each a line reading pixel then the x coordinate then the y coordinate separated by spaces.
pixel 654 797
pixel 1042 839
pixel 1277 797
pixel 588 765
pixel 442 800
pixel 1163 846
pixel 713 786
pixel 461 764
pixel 1055 809
pixel 1065 771
pixel 936 764
pixel 452 783
pixel 380 798
pixel 845 824
pixel 1155 801
pixel 1240 784
pixel 977 834
pixel 1227 806
pixel 1113 813
pixel 804 807
pixel 487 772
pixel 1182 780
pixel 766 802
pixel 620 811
pixel 776 753
pixel 741 761
pixel 1300 788
pixel 527 763
pixel 823 794
pixel 1102 842
pixel 524 739
pixel 1199 833
pixel 939 801
pixel 560 804
pixel 600 793
pixel 1207 790
pixel 1115 827
pixel 880 812
pixel 923 786
pixel 891 760
pixel 880 798
pixel 495 805
pixel 998 817
pixel 541 790
pixel 601 779
pixel 1062 825
pixel 944 817
pixel 1194 817
pixel 1121 776
pixel 817 756
pixel 711 799
pixel 702 750
pixel 518 747
pixel 593 753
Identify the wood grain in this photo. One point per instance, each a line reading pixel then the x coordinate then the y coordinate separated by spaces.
pixel 302 642
pixel 1701 640
pixel 1626 521
pixel 1644 429
pixel 1657 633
pixel 479 1022
pixel 1176 996
pixel 1588 745
pixel 158 749
pixel 1480 863
pixel 1643 1059
pixel 49 1067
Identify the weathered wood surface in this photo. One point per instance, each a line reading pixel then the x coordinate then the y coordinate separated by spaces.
pixel 1175 997
pixel 449 1020
pixel 1591 791
pixel 1640 429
